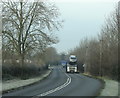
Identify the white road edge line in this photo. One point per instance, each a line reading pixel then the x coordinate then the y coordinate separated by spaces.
pixel 57 88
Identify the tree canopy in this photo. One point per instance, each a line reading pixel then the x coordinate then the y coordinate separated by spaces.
pixel 26 26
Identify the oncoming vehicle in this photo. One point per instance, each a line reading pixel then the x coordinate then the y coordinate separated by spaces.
pixel 72 64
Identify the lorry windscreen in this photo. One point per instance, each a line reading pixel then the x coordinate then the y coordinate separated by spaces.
pixel 73 58
pixel 72 63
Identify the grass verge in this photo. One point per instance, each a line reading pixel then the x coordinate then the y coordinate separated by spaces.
pixel 9 86
pixel 109 88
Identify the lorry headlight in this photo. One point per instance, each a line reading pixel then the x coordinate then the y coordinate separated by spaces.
pixel 75 69
pixel 68 69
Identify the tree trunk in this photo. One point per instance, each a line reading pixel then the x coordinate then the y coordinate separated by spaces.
pixel 22 65
pixel 22 60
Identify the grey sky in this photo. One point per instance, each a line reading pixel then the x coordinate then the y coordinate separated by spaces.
pixel 82 19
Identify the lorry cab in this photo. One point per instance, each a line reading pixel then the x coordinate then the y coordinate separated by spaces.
pixel 72 58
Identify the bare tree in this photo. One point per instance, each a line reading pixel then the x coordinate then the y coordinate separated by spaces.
pixel 109 37
pixel 26 25
pixel 102 53
pixel 51 56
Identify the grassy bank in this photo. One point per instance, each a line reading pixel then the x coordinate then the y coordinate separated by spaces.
pixel 110 87
pixel 18 83
pixel 16 71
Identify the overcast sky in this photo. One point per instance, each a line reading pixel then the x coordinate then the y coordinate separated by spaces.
pixel 82 19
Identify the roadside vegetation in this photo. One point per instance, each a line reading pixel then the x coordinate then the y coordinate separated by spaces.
pixel 100 55
pixel 27 38
pixel 107 91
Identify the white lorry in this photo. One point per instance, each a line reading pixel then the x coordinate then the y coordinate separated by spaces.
pixel 72 64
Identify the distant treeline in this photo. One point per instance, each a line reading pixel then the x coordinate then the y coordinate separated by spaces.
pixel 100 55
pixel 33 65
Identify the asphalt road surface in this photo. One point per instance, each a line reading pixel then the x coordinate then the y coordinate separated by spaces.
pixel 60 83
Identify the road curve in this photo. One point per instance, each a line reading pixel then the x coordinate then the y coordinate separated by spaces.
pixel 61 84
